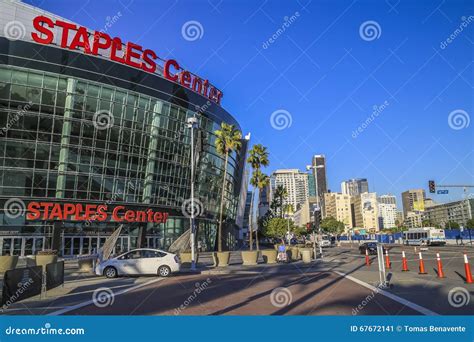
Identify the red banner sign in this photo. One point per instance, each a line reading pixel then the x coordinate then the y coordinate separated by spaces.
pixel 51 211
pixel 131 54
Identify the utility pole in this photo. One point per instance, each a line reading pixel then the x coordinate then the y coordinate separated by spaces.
pixel 192 123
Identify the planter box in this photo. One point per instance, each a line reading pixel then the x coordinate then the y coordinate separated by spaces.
pixel 221 259
pixel 185 257
pixel 306 255
pixel 8 262
pixel 294 253
pixel 269 256
pixel 249 258
pixel 43 260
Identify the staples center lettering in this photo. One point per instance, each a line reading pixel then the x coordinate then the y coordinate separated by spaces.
pixel 75 37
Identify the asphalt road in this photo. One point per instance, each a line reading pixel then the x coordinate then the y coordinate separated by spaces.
pixel 341 284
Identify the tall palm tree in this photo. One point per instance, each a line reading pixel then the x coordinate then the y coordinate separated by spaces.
pixel 259 180
pixel 228 140
pixel 280 194
pixel 258 157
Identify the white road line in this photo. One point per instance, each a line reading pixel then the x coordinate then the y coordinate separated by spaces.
pixel 396 298
pixel 89 302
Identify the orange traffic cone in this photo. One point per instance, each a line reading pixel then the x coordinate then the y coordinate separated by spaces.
pixel 404 262
pixel 367 260
pixel 440 266
pixel 387 260
pixel 422 265
pixel 467 269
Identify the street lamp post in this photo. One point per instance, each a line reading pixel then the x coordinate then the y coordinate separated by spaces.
pixel 192 123
pixel 314 167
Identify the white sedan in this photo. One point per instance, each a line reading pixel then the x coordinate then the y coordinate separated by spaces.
pixel 140 261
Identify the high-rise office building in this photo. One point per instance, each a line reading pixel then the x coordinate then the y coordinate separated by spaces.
pixel 319 172
pixel 365 211
pixel 413 200
pixel 338 206
pixel 387 205
pixel 355 186
pixel 296 184
pixel 388 199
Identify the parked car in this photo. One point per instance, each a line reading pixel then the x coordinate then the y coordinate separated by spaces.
pixel 371 247
pixel 141 261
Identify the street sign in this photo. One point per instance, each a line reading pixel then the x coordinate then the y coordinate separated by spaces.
pixel 442 192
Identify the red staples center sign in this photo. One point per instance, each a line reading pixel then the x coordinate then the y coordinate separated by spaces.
pixel 128 53
pixel 50 211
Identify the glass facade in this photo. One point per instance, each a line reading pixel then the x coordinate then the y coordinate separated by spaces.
pixel 54 146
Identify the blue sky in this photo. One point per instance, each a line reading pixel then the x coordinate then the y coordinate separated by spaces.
pixel 326 74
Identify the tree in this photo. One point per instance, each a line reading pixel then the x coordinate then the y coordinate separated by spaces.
pixel 331 225
pixel 280 194
pixel 470 224
pixel 228 140
pixel 258 157
pixel 452 225
pixel 277 227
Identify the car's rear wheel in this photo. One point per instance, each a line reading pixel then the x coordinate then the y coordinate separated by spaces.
pixel 164 271
pixel 110 272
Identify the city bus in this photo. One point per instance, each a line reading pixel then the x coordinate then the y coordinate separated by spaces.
pixel 428 236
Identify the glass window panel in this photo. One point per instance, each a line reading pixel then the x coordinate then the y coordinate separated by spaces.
pixel 19 77
pixel 50 82
pixel 5 75
pixel 4 90
pixel 35 79
pixel 18 93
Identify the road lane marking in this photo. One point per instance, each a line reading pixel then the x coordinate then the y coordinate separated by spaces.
pixel 396 298
pixel 91 301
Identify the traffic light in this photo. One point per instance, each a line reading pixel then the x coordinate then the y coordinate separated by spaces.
pixel 432 186
pixel 317 219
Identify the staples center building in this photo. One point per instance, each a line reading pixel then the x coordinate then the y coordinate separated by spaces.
pixel 93 135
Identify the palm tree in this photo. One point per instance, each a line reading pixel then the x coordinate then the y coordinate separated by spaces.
pixel 258 157
pixel 280 194
pixel 259 180
pixel 228 140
